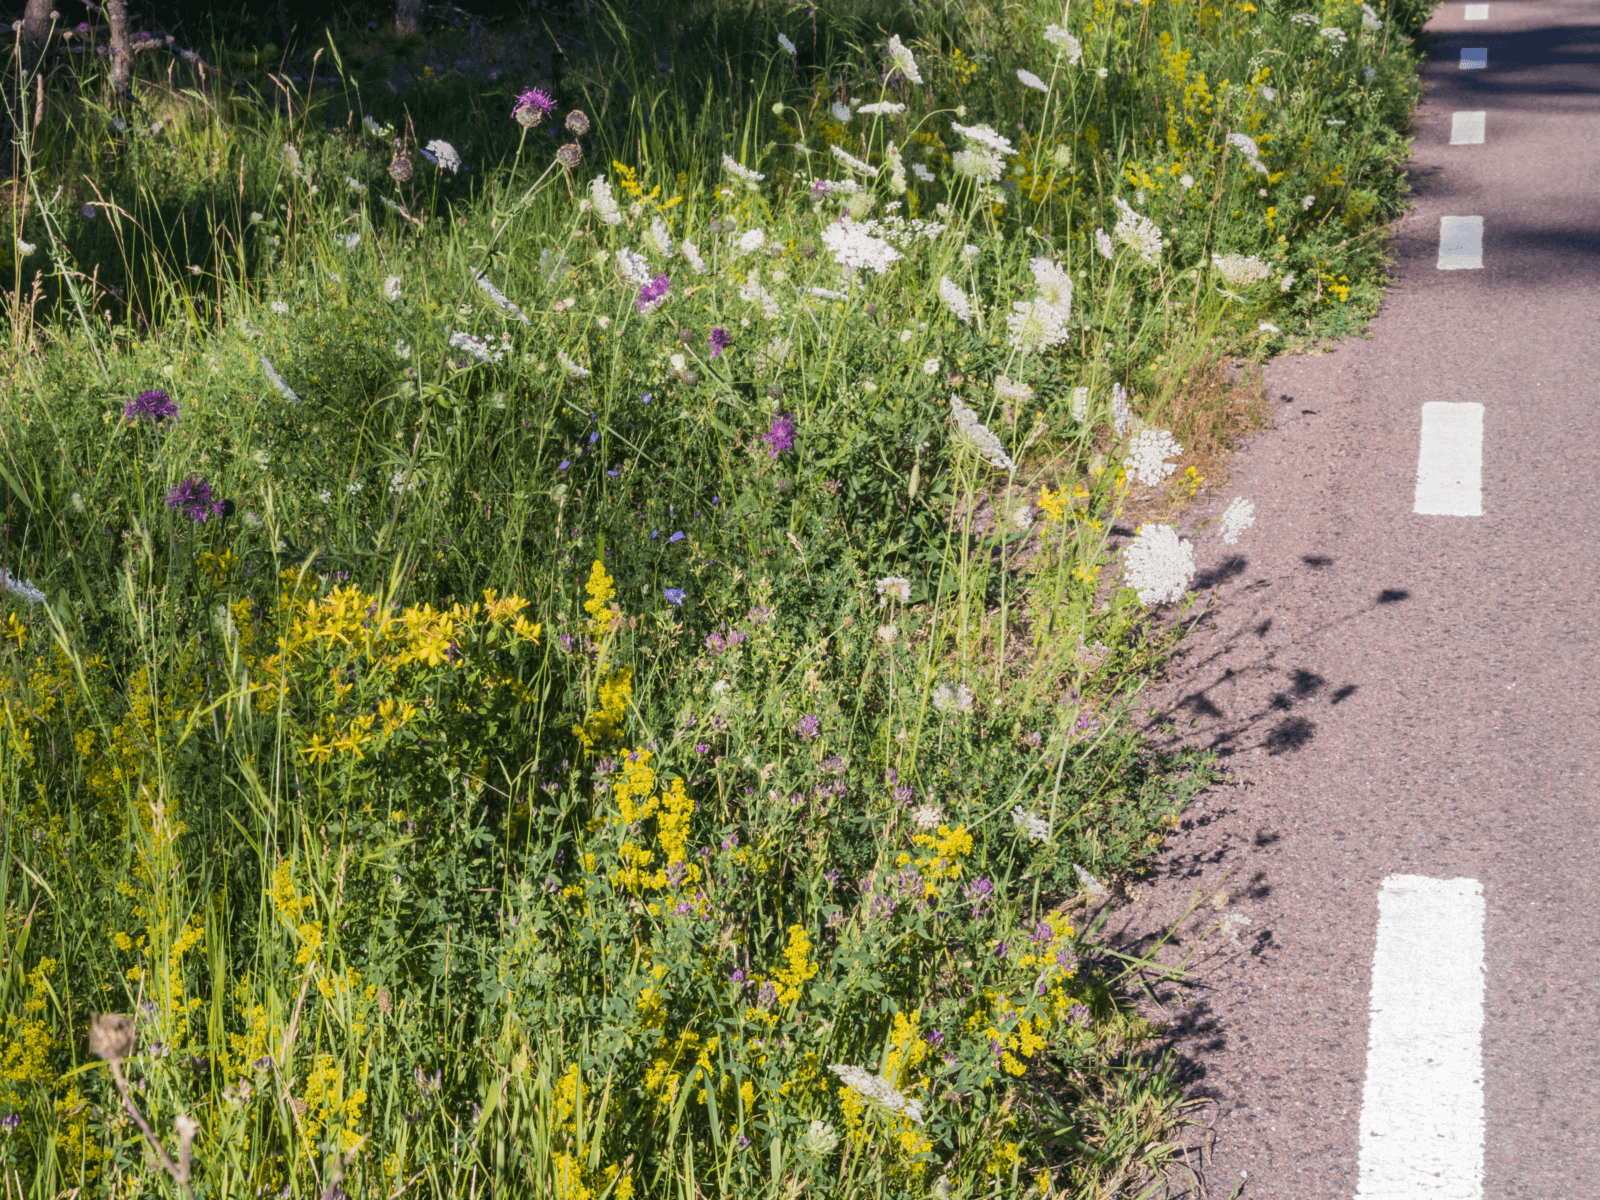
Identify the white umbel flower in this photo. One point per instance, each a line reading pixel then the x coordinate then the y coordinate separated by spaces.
pixel 751 179
pixel 854 248
pixel 955 299
pixel 983 135
pixel 691 255
pixel 1369 18
pixel 1148 454
pixel 927 817
pixel 1240 270
pixel 604 202
pixel 1120 413
pixel 633 268
pixel 1080 404
pixel 883 108
pixel 972 433
pixel 1013 390
pixel 751 240
pixel 901 58
pixel 1034 828
pixel 851 161
pixel 22 589
pixel 897 170
pixel 1140 233
pixel 1036 325
pixel 841 112
pixel 787 45
pixel 574 369
pixel 1058 36
pixel 1029 80
pixel 752 292
pixel 660 237
pixel 1286 282
pixel 501 300
pixel 983 165
pixel 1055 285
pixel 1158 564
pixel 877 1090
pixel 278 381
pixel 1236 518
pixel 1102 243
pixel 445 154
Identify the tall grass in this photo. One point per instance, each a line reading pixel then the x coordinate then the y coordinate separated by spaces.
pixel 548 696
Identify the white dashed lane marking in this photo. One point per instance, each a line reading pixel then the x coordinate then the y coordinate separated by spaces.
pixel 1422 1106
pixel 1450 461
pixel 1475 59
pixel 1460 243
pixel 1466 128
pixel 1477 12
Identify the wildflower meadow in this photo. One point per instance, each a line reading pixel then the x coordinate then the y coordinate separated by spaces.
pixel 573 630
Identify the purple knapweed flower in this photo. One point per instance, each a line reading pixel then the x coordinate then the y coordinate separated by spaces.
pixel 780 436
pixel 720 339
pixel 533 106
pixel 653 294
pixel 809 728
pixel 195 499
pixel 674 596
pixel 154 406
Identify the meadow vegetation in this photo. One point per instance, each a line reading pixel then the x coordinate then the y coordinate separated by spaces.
pixel 574 634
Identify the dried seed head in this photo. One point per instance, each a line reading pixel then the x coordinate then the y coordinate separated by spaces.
pixel 400 169
pixel 570 155
pixel 384 1004
pixel 775 392
pixel 111 1037
pixel 577 123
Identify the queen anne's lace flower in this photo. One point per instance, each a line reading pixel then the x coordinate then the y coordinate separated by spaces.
pixel 1369 18
pixel 985 136
pixel 855 249
pixel 23 589
pixel 972 433
pixel 1335 35
pixel 445 154
pixel 751 240
pixel 634 268
pixel 500 299
pixel 927 816
pixel 877 1090
pixel 982 165
pixel 660 237
pixel 1102 243
pixel 1158 564
pixel 278 381
pixel 1120 413
pixel 922 173
pixel 851 161
pixel 787 45
pixel 576 370
pixel 752 292
pixel 1239 270
pixel 883 108
pixel 1303 19
pixel 1148 454
pixel 1238 517
pixel 1080 404
pixel 604 202
pixel 955 299
pixel 1058 36
pixel 1029 80
pixel 1034 828
pixel 1286 282
pixel 741 172
pixel 1036 325
pixel 473 345
pixel 841 112
pixel 901 59
pixel 1139 233
pixel 1055 285
pixel 1013 390
pixel 691 255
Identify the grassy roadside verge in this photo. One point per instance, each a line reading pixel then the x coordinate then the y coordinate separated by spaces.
pixel 580 654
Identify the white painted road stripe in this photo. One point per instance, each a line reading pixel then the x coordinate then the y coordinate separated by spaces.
pixel 1477 12
pixel 1475 60
pixel 1450 461
pixel 1466 128
pixel 1460 243
pixel 1422 1106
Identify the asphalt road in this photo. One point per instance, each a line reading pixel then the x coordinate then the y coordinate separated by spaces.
pixel 1416 695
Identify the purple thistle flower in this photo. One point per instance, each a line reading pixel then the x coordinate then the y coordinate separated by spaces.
pixel 195 499
pixel 653 294
pixel 720 339
pixel 809 729
pixel 780 436
pixel 155 406
pixel 532 106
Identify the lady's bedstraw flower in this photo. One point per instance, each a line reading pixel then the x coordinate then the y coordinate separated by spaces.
pixel 444 155
pixel 900 60
pixel 779 436
pixel 195 499
pixel 22 589
pixel 1158 564
pixel 751 179
pixel 532 106
pixel 719 340
pixel 154 406
pixel 1058 36
pixel 1148 454
pixel 653 294
pixel 875 1089
pixel 604 202
pixel 973 434
pixel 955 299
pixel 1238 517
